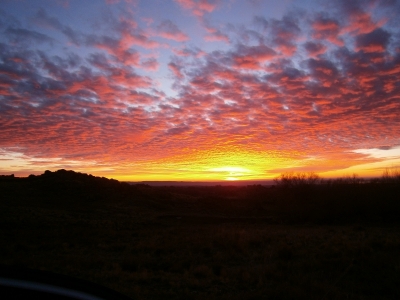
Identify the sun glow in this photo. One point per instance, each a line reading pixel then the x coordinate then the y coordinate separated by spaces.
pixel 232 173
pixel 231 170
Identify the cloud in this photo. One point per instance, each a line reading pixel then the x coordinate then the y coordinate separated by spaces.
pixel 176 69
pixel 284 34
pixel 213 34
pixel 150 64
pixel 261 23
pixel 327 28
pixel 141 39
pixel 194 51
pixel 386 152
pixel 375 41
pixel 169 30
pixel 323 71
pixel 198 7
pixel 23 36
pixel 127 31
pixel 201 8
pixel 252 57
pixel 314 49
pixel 359 16
pixel 44 20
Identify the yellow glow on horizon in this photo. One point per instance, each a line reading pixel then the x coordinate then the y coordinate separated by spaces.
pixel 213 165
pixel 232 173
pixel 231 170
pixel 207 165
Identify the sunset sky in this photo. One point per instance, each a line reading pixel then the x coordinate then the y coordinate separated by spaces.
pixel 199 89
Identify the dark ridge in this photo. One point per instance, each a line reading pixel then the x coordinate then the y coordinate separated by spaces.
pixel 62 187
pixel 64 180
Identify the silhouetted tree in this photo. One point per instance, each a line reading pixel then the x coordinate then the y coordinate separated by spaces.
pixel 291 179
pixel 391 176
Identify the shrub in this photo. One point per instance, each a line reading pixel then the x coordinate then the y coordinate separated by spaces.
pixel 391 176
pixel 291 179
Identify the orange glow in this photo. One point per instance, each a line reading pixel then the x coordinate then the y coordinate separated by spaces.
pixel 211 165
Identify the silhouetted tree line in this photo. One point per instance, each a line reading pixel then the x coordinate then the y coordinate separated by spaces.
pixel 311 198
pixel 301 179
pixel 295 197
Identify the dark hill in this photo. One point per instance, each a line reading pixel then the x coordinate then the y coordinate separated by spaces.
pixel 62 187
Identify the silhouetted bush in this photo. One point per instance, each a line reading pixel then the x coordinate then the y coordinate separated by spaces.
pixel 391 176
pixel 291 179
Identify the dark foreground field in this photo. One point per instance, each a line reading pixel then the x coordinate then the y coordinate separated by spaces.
pixel 336 241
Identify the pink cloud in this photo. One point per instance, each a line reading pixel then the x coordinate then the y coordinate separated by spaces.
pixel 314 49
pixel 375 41
pixel 327 29
pixel 217 36
pixel 138 39
pixel 214 34
pixel 360 22
pixel 284 34
pixel 176 69
pixel 198 7
pixel 169 30
pixel 196 52
pixel 150 64
pixel 253 57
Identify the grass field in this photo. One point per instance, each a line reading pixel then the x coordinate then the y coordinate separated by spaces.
pixel 204 243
